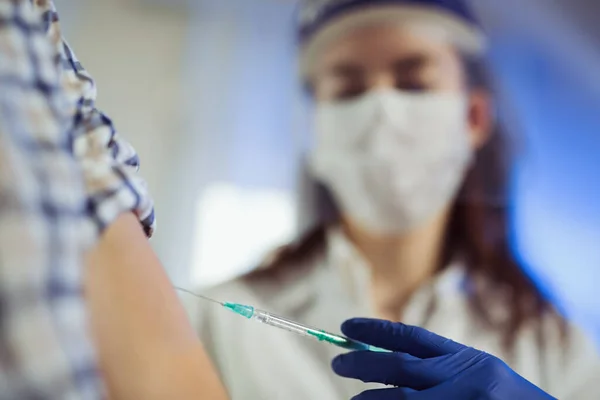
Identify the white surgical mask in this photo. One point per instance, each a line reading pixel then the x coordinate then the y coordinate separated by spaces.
pixel 392 160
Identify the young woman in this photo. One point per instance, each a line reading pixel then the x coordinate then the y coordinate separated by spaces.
pixel 412 222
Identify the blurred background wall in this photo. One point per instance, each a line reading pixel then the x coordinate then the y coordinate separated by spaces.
pixel 136 52
pixel 206 91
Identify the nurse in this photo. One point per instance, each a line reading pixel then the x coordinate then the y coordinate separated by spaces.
pixel 411 220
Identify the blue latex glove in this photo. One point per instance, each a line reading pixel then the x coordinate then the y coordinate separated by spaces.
pixel 425 366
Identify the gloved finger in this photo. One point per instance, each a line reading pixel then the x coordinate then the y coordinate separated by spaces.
pixel 386 394
pixel 447 391
pixel 399 337
pixel 396 369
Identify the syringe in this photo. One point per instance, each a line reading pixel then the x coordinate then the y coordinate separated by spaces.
pixel 291 326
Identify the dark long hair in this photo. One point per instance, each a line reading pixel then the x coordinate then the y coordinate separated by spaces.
pixel 478 232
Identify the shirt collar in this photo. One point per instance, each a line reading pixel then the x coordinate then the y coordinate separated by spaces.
pixel 337 282
pixel 354 272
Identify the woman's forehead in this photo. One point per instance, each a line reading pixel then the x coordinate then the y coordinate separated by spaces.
pixel 378 45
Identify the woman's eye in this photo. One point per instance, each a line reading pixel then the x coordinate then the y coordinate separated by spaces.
pixel 349 92
pixel 413 86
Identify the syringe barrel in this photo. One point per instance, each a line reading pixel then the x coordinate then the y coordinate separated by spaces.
pixel 280 322
pixel 319 334
pixel 299 329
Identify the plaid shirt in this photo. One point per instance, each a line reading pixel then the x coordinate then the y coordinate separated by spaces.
pixel 60 163
pixel 109 163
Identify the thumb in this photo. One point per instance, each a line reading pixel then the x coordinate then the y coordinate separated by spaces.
pixel 386 394
pixel 398 337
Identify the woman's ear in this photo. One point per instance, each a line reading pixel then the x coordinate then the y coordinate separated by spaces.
pixel 480 117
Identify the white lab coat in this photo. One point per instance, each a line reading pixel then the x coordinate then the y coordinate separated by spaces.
pixel 258 362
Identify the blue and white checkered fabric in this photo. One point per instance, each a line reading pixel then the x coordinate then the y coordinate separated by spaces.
pixel 64 176
pixel 45 351
pixel 110 164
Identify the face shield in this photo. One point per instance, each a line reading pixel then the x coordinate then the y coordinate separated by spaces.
pixel 484 181
pixel 422 20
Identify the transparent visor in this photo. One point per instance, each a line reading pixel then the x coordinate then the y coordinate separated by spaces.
pixel 425 21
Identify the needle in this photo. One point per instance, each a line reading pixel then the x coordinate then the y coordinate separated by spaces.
pixel 198 295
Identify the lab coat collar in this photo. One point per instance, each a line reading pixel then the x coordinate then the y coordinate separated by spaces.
pixel 336 283
pixel 355 272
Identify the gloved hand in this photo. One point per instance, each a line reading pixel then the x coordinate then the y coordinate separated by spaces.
pixel 425 366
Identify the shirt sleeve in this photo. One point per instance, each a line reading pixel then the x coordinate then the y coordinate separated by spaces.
pixel 109 163
pixel 45 349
